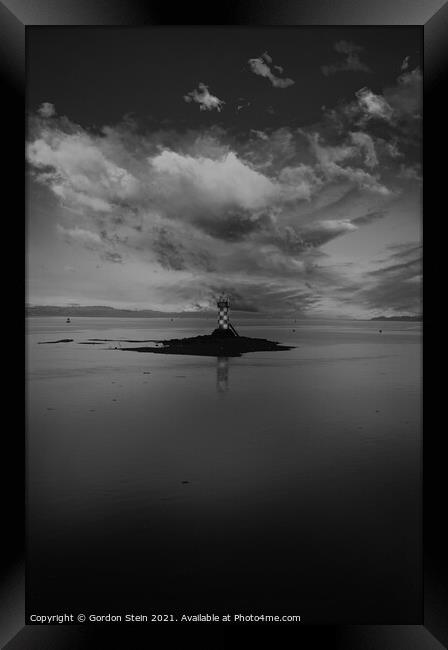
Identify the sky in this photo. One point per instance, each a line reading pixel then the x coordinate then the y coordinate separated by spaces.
pixel 280 165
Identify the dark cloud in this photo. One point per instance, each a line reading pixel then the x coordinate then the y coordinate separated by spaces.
pixel 369 217
pixel 169 254
pixel 238 302
pixel 399 296
pixel 233 224
pixel 296 242
pixel 404 250
pixel 395 287
pixel 406 270
pixel 112 257
pixel 351 62
pixel 392 118
pixel 248 212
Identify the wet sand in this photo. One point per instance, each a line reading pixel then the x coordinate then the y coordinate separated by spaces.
pixel 272 481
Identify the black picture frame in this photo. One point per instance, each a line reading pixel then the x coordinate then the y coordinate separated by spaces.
pixel 432 16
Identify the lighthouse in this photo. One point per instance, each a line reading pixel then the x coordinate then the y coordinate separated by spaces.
pixel 225 327
pixel 223 304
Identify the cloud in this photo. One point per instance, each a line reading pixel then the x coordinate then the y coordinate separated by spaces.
pixel 79 172
pixel 206 101
pixel 405 64
pixel 170 253
pixel 321 232
pixel 226 180
pixel 369 217
pixel 110 256
pixel 366 144
pixel 411 173
pixel 260 134
pixel 46 110
pixel 391 119
pixel 352 61
pixel 259 66
pixel 87 237
pixel 393 288
pixel 243 104
pixel 331 157
pixel 405 97
pixel 374 106
pixel 200 209
pixel 392 116
pixel 392 149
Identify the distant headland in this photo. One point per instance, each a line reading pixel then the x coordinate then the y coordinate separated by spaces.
pixel 110 312
pixel 406 319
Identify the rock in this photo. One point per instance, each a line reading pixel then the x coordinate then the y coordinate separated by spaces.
pixel 213 345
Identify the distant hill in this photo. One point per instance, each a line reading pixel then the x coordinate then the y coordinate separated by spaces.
pixel 110 312
pixel 400 318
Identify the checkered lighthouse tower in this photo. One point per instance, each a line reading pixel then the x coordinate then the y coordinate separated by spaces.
pixel 223 304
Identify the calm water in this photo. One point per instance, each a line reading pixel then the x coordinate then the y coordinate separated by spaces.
pixel 276 482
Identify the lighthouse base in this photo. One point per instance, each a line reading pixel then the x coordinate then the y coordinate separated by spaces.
pixel 222 333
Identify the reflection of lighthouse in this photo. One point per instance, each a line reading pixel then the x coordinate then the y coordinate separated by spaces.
pixel 222 374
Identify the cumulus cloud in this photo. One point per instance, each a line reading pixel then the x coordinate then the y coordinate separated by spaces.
pixel 405 63
pixel 46 109
pixel 331 157
pixel 393 115
pixel 78 171
pixel 202 208
pixel 389 128
pixel 260 66
pixel 206 101
pixel 374 106
pixel 351 62
pixel 221 181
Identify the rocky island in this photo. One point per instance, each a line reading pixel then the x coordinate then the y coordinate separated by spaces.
pixel 220 343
